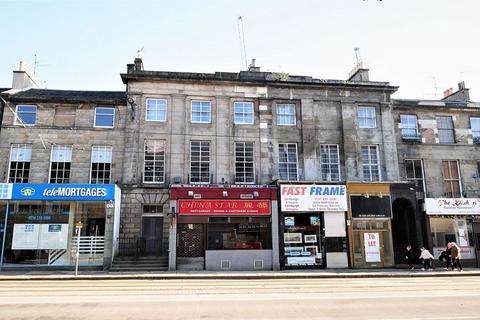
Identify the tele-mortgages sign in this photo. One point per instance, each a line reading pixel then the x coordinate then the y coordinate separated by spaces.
pixel 94 192
pixel 302 197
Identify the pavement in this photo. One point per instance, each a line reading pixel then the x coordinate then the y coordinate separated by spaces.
pixel 6 275
pixel 400 298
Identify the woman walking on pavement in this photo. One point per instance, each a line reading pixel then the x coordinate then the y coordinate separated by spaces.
pixel 409 256
pixel 456 256
pixel 445 257
pixel 426 257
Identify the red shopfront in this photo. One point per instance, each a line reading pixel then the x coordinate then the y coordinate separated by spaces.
pixel 225 228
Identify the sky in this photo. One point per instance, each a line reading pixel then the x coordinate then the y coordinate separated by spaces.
pixel 422 46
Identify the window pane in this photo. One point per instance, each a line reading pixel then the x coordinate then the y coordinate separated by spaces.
pixel 104 117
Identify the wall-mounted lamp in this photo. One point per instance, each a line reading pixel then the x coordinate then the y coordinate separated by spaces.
pixel 381 195
pixel 366 195
pixel 255 194
pixel 224 194
pixel 190 193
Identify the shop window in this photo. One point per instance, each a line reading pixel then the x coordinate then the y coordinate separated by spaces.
pixel 239 236
pixel 243 112
pixel 445 129
pixel 329 162
pixel 409 127
pixel 287 161
pixel 244 163
pixel 60 163
pixel 200 162
pixel 302 239
pixel 101 165
pixel 414 172
pixel 475 126
pixel 104 118
pixel 367 118
pixel 201 112
pixel 452 229
pixel 26 115
pixel 20 158
pixel 154 162
pixel 370 163
pixel 286 115
pixel 156 110
pixel 452 187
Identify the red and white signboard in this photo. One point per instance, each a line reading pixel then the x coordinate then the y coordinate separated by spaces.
pixel 224 207
pixel 372 247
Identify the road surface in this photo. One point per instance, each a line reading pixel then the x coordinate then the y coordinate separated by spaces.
pixel 451 298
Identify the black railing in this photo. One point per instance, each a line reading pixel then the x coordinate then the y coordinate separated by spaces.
pixel 131 246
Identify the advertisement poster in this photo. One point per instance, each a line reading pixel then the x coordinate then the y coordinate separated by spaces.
pixel 39 236
pixel 372 247
pixel 53 236
pixel 301 197
pixel 25 236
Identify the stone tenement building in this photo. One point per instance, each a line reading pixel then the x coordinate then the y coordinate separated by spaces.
pixel 61 152
pixel 438 145
pixel 240 129
pixel 235 171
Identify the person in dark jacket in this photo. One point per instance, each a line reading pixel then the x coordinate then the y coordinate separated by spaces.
pixel 408 254
pixel 445 257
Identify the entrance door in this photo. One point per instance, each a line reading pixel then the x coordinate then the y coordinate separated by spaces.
pixel 403 228
pixel 372 246
pixel 152 234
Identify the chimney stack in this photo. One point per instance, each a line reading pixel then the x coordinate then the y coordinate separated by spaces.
pixel 462 94
pixel 359 74
pixel 22 79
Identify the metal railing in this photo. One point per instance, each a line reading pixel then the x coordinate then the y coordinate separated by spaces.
pixel 89 245
pixel 131 246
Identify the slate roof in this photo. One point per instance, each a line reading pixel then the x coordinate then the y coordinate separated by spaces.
pixel 70 96
pixel 417 103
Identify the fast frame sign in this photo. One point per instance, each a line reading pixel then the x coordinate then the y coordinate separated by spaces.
pixel 80 192
pixel 305 197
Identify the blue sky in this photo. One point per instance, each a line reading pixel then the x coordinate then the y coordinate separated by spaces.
pixel 422 46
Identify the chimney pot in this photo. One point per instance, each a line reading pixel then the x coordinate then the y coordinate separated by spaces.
pixel 138 64
pixel 22 66
pixel 461 85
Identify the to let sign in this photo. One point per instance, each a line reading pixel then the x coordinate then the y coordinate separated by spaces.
pixel 224 207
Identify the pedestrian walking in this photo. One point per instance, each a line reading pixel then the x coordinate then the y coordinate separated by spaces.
pixel 408 253
pixel 445 256
pixel 456 257
pixel 427 258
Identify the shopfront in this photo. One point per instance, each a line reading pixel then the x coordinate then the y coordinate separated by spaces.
pixel 224 228
pixel 38 225
pixel 313 226
pixel 455 220
pixel 370 220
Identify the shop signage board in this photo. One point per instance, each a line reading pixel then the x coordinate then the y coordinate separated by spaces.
pixel 372 246
pixel 452 206
pixel 39 236
pixel 371 207
pixel 223 207
pixel 305 197
pixel 79 192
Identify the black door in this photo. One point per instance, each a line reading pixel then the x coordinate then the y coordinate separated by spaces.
pixel 152 234
pixel 476 235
